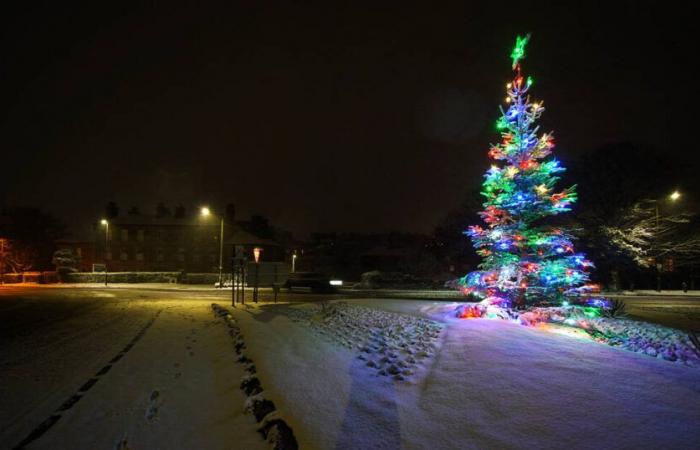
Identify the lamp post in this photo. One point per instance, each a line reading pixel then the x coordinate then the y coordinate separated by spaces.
pixel 205 212
pixel 105 223
pixel 674 196
pixel 294 261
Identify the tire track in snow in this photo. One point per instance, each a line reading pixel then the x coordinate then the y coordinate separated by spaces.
pixel 44 426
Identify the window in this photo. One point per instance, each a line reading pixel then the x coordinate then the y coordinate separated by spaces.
pixel 125 234
pixel 139 235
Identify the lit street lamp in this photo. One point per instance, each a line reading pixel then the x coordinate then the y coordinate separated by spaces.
pixel 205 212
pixel 294 261
pixel 105 223
pixel 674 196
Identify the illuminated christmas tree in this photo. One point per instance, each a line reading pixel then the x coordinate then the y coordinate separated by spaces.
pixel 525 261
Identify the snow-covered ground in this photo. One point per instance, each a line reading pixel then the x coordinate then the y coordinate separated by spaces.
pixel 480 384
pixel 176 388
pixel 392 344
pixel 140 368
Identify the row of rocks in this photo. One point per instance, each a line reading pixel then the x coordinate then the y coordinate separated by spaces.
pixel 273 428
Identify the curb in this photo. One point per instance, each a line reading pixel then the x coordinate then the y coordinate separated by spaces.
pixel 273 428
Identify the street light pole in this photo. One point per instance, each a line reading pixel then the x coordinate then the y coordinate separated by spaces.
pixel 205 212
pixel 221 255
pixel 105 223
pixel 656 243
pixel 675 195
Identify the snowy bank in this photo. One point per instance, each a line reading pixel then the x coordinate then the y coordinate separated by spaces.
pixel 642 337
pixel 489 384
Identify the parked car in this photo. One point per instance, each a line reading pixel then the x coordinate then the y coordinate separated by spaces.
pixel 317 282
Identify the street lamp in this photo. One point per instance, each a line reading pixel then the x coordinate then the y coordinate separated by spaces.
pixel 675 195
pixel 105 223
pixel 294 261
pixel 205 212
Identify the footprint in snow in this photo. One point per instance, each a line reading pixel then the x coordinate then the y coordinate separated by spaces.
pixel 154 405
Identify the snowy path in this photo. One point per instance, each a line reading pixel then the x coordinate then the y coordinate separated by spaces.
pixel 176 388
pixel 491 384
pixel 49 347
pixel 528 388
pixel 169 383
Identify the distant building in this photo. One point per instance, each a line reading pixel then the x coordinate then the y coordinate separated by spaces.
pixel 160 244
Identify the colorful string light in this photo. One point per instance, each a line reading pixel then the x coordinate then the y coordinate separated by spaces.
pixel 524 261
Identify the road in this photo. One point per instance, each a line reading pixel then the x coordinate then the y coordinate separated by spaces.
pixel 150 367
pixel 91 367
pixel 680 311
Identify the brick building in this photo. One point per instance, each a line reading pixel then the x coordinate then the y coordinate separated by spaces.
pixel 155 244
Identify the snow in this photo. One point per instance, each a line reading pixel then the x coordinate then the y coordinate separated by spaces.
pixel 177 387
pixel 392 344
pixel 484 383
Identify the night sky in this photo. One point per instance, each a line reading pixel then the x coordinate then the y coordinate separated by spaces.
pixel 345 118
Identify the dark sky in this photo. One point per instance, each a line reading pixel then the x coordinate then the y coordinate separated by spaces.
pixel 320 116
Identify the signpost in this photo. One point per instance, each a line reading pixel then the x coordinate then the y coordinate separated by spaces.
pixel 256 254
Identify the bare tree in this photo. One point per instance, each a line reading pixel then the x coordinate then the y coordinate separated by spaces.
pixel 643 235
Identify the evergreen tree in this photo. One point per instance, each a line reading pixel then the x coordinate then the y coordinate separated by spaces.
pixel 525 261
